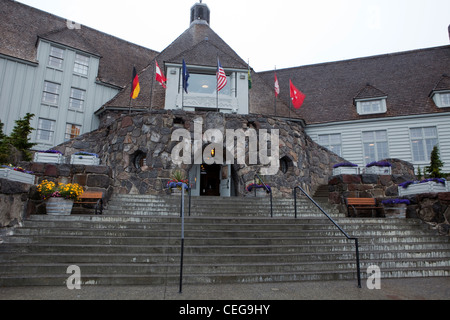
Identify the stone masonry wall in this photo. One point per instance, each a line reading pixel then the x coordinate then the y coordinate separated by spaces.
pixel 122 137
pixel 93 178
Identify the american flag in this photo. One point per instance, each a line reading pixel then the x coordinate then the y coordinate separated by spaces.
pixel 221 77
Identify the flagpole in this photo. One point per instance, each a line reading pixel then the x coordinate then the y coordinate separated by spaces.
pixel 275 95
pixel 153 79
pixel 217 85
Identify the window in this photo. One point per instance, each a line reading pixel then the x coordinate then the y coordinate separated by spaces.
pixel 207 84
pixel 375 146
pixel 422 142
pixel 76 100
pixel 56 58
pixel 51 92
pixel 443 99
pixel 332 142
pixel 373 106
pixel 46 129
pixel 72 131
pixel 81 64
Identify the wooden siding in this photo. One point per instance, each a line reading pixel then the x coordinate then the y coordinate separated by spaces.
pixel 398 132
pixel 22 85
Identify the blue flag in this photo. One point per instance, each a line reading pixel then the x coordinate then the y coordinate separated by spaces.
pixel 185 77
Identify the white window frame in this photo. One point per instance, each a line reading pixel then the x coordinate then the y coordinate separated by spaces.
pixel 70 134
pixel 76 102
pixel 46 126
pixel 375 144
pixel 50 92
pixel 426 143
pixel 56 57
pixel 363 104
pixel 442 99
pixel 81 65
pixel 326 141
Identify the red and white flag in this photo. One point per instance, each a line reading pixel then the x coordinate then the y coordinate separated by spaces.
pixel 221 77
pixel 160 76
pixel 277 86
pixel 297 96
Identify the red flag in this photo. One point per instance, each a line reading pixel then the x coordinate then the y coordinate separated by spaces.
pixel 297 96
pixel 277 86
pixel 160 76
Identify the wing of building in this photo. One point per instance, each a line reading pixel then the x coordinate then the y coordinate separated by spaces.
pixel 72 77
pixel 60 71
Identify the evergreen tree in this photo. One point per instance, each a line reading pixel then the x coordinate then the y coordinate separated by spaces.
pixel 4 146
pixel 20 134
pixel 434 169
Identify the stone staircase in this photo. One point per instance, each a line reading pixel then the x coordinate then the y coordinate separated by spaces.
pixel 234 240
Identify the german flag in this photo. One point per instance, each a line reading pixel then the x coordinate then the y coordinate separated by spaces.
pixel 135 87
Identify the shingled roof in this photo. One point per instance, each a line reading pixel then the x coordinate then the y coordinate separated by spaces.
pixel 406 78
pixel 198 45
pixel 21 26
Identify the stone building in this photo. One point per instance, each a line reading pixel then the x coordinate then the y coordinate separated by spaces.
pixel 388 106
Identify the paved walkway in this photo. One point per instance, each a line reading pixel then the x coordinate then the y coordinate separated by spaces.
pixel 391 289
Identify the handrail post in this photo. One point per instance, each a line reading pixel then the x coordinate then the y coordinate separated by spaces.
pixel 267 189
pixel 182 237
pixel 358 268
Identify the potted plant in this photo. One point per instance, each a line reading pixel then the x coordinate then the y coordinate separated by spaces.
pixel 345 168
pixel 49 156
pixel 17 174
pixel 379 167
pixel 85 158
pixel 395 208
pixel 60 198
pixel 175 184
pixel 431 185
pixel 260 188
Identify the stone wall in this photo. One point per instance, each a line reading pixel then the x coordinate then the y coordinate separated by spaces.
pixel 432 208
pixel 13 202
pixel 122 137
pixel 93 178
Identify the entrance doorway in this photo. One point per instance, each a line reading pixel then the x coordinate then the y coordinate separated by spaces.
pixel 210 180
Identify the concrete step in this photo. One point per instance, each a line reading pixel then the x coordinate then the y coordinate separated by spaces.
pixel 225 247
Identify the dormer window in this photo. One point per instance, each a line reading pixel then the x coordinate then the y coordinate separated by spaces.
pixel 442 99
pixel 441 92
pixel 370 100
pixel 371 106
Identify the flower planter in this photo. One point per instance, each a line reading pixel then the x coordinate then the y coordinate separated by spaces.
pixel 44 157
pixel 59 206
pixel 85 160
pixel 397 211
pixel 16 176
pixel 261 192
pixel 345 170
pixel 426 187
pixel 378 170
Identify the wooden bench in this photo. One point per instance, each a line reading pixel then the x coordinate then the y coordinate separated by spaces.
pixel 92 197
pixel 361 203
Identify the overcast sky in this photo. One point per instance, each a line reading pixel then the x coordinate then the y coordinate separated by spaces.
pixel 281 33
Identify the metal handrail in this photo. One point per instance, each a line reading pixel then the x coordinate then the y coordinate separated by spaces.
pixel 358 269
pixel 269 191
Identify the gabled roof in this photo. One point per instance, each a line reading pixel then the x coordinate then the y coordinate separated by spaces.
pixel 406 78
pixel 443 83
pixel 198 45
pixel 368 92
pixel 21 26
